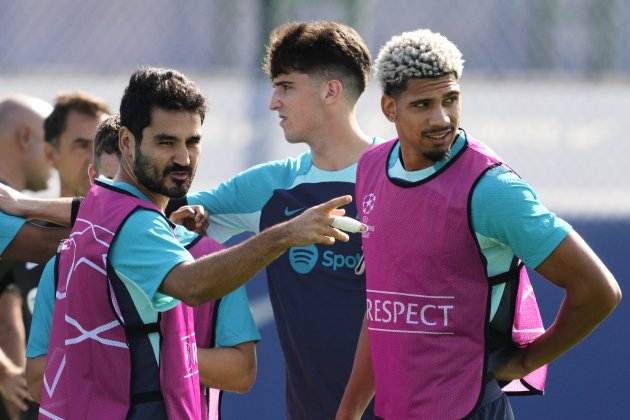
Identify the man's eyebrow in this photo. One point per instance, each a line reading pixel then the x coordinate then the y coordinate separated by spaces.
pixel 164 136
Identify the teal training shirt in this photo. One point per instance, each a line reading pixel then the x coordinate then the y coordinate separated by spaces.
pixel 9 227
pixel 507 217
pixel 234 325
pixel 144 252
pixel 318 300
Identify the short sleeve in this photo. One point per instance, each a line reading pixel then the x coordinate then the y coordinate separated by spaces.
pixel 42 312
pixel 235 323
pixel 144 253
pixel 9 227
pixel 505 208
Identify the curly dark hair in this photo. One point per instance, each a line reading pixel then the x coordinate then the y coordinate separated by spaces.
pixel 320 47
pixel 160 88
pixel 76 101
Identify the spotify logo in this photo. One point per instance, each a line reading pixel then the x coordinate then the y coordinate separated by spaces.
pixel 303 258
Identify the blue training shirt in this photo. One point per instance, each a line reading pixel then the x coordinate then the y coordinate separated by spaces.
pixel 9 227
pixel 144 252
pixel 317 299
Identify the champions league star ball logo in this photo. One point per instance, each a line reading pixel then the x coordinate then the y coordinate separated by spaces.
pixel 368 203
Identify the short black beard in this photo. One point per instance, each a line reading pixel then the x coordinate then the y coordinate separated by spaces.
pixel 437 155
pixel 153 181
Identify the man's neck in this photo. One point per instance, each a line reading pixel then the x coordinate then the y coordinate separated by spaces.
pixel 339 145
pixel 66 191
pixel 13 178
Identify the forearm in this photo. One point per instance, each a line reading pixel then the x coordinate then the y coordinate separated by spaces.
pixel 34 375
pixel 591 295
pixel 216 275
pixel 13 334
pixel 572 325
pixel 6 364
pixel 360 388
pixel 228 368
pixel 55 210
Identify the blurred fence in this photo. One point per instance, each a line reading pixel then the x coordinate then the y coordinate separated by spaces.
pixel 546 83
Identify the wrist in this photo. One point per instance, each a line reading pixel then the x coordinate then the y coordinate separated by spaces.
pixel 280 236
pixel 527 360
pixel 29 207
pixel 346 412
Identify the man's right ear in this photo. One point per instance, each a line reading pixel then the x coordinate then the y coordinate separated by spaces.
pixel 49 152
pixel 388 107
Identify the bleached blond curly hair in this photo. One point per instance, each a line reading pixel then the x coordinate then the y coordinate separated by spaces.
pixel 416 54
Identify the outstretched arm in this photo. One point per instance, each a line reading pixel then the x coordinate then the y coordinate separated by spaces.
pixel 216 275
pixel 55 210
pixel 591 295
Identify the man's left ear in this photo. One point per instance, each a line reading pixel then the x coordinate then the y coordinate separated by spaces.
pixel 126 141
pixel 24 138
pixel 332 91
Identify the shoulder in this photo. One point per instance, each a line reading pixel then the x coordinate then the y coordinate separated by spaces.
pixel 249 190
pixel 506 208
pixel 146 222
pixel 277 173
pixel 501 183
pixel 145 232
pixel 9 227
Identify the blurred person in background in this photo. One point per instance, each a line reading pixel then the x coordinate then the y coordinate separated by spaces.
pixel 318 71
pixel 451 320
pixel 225 331
pixel 69 132
pixel 23 165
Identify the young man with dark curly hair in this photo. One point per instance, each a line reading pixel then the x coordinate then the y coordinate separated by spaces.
pixel 318 70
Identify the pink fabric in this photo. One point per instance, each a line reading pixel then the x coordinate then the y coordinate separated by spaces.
pixel 204 329
pixel 88 372
pixel 427 292
pixel 527 327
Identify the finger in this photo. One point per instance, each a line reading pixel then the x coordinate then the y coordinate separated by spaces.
pixel 338 212
pixel 336 202
pixel 185 211
pixel 179 215
pixel 326 240
pixel 204 227
pixel 17 401
pixel 337 234
pixel 25 395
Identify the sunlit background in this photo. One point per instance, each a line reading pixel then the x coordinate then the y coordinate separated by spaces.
pixel 546 84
